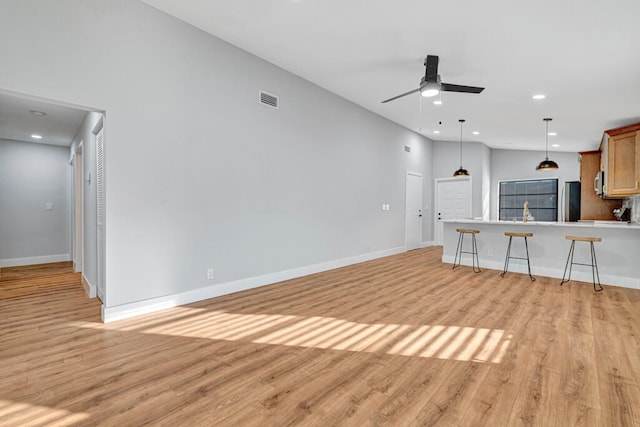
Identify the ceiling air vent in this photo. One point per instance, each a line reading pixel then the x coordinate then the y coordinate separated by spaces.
pixel 269 100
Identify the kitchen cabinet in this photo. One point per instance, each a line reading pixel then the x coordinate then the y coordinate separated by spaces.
pixel 592 206
pixel 621 161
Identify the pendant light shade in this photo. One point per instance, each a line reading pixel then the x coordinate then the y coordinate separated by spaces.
pixel 546 164
pixel 462 171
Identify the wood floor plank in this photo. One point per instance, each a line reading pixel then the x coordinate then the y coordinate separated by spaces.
pixel 403 340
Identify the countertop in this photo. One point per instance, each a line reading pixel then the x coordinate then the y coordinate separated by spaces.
pixel 583 224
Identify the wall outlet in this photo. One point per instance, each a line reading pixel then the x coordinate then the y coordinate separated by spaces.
pixel 209 273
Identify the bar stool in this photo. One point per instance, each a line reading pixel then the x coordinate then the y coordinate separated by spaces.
pixel 511 235
pixel 593 265
pixel 474 249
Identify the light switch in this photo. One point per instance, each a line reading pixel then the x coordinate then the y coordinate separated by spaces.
pixel 49 206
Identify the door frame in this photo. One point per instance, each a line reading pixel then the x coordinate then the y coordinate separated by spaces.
pixel 435 201
pixel 406 202
pixel 78 212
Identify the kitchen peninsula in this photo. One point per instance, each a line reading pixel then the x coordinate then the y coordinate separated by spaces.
pixel 617 254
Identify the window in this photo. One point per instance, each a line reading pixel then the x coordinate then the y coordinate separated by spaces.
pixel 542 195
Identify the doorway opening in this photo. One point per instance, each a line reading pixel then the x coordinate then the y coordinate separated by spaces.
pixel 49 167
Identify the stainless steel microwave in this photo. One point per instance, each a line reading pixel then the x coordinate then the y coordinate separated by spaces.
pixel 598 183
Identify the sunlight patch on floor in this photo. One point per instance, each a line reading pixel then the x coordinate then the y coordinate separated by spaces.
pixel 429 341
pixel 23 414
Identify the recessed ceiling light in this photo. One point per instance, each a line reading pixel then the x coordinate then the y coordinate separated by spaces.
pixel 436 131
pixel 553 133
pixel 555 145
pixel 539 96
pixel 475 132
pixel 38 113
pixel 36 136
pixel 437 102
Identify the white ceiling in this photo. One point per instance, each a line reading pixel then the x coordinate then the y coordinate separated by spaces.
pixel 584 55
pixel 18 123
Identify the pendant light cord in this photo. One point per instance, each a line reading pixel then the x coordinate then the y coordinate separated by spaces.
pixel 461 122
pixel 546 148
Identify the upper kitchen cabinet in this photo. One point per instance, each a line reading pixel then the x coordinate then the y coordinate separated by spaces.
pixel 621 161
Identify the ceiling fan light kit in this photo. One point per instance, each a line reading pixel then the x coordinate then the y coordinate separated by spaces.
pixel 461 172
pixel 546 164
pixel 430 89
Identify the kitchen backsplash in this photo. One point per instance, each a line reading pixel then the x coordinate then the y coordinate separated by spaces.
pixel 634 206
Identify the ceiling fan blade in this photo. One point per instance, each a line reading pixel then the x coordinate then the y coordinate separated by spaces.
pixel 448 87
pixel 431 65
pixel 400 96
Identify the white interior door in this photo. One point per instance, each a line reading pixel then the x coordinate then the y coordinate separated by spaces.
pixel 413 211
pixel 100 212
pixel 453 201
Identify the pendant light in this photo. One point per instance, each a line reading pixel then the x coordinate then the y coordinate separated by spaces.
pixel 462 171
pixel 546 164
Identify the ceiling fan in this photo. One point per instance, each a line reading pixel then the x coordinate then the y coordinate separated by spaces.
pixel 430 84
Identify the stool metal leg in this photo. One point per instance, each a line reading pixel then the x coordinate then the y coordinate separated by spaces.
pixel 506 260
pixel 508 257
pixel 457 262
pixel 526 246
pixel 594 270
pixel 474 255
pixel 568 264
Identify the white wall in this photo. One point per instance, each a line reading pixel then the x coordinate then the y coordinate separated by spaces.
pixel 512 164
pixel 32 175
pixel 198 174
pixel 475 158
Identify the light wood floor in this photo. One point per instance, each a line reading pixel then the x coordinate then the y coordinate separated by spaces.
pixel 399 341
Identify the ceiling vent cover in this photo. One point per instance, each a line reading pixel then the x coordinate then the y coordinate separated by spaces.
pixel 269 100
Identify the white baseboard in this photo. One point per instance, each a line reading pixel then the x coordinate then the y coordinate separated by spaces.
pixel 581 273
pixel 427 244
pixel 45 259
pixel 88 287
pixel 119 312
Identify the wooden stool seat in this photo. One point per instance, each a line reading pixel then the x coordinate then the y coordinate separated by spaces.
pixel 597 287
pixel 516 234
pixel 474 249
pixel 584 239
pixel 467 230
pixel 511 235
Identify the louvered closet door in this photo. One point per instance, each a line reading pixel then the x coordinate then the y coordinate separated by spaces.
pixel 100 212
